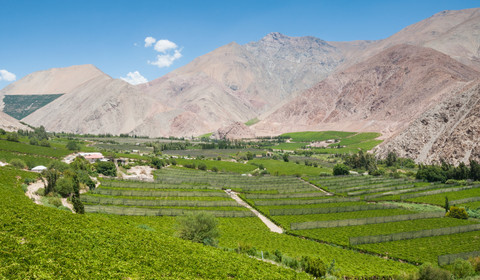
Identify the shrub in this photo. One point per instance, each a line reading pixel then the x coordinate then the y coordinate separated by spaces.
pixel 202 166
pixel 24 188
pixel 214 169
pixel 457 213
pixel 64 186
pixel 72 146
pixel 429 272
pixel 462 268
pixel 55 201
pixel 475 263
pixel 12 137
pixel 18 163
pixel 199 227
pixel 157 163
pixel 340 169
pixel 314 266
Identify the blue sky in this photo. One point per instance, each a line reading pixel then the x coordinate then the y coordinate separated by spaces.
pixel 37 35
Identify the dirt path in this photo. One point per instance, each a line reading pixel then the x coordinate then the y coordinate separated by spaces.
pixel 32 189
pixel 67 204
pixel 273 227
pixel 320 189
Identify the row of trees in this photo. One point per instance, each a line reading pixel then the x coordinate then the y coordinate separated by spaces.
pixel 446 171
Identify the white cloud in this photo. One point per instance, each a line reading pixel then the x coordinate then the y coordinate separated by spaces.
pixel 134 78
pixel 168 49
pixel 149 41
pixel 164 45
pixel 7 76
pixel 165 60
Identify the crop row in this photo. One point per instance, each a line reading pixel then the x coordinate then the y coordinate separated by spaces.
pixel 445 190
pixel 342 235
pixel 132 211
pixel 156 202
pixel 155 193
pixel 286 195
pixel 305 201
pixel 327 210
pixel 402 191
pixel 364 221
pixel 412 234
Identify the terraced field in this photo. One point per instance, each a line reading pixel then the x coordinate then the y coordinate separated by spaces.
pixel 413 232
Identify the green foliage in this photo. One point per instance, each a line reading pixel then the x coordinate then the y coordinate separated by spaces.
pixel 18 163
pixel 251 122
pixel 105 246
pixel 462 269
pixel 457 213
pixel 78 205
pixel 106 168
pixel 55 201
pixel 72 146
pixel 314 266
pixel 157 162
pixel 200 227
pixel 429 272
pixel 12 136
pixel 202 166
pixel 475 262
pixel 64 186
pixel 20 106
pixel 361 160
pixel 309 136
pixel 391 159
pixel 447 204
pixel 340 169
pixel 285 157
pixel 58 165
pixel 51 175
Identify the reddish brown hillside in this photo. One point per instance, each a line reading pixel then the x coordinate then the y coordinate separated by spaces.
pixel 383 93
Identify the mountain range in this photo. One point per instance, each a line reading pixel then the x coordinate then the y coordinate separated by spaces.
pixel 402 86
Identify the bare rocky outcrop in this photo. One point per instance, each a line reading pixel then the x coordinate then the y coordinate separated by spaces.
pixel 236 130
pixel 384 93
pixel 448 131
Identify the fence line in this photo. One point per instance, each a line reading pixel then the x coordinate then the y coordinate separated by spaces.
pixel 449 259
pixel 327 210
pixel 412 234
pixel 365 221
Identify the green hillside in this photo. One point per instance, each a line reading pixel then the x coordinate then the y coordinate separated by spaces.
pixel 20 106
pixel 45 243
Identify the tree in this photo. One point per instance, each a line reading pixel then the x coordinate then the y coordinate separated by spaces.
pixel 285 157
pixel 340 169
pixel 106 168
pixel 474 170
pixel 391 159
pixel 64 186
pixel 52 176
pixel 447 204
pixel 314 266
pixel 200 227
pixel 72 146
pixel 78 205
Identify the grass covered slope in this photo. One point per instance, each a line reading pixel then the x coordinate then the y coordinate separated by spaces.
pixel 41 242
pixel 20 106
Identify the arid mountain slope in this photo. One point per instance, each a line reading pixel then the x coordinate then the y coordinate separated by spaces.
pixel 100 105
pixel 450 131
pixel 53 81
pixel 455 33
pixel 10 124
pixel 237 83
pixel 383 93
